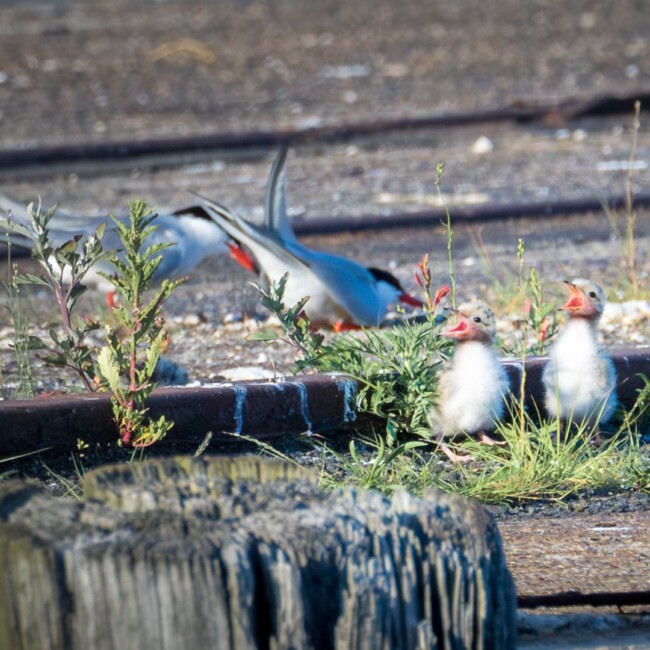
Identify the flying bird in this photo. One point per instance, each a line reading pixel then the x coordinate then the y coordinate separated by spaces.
pixel 342 293
pixel 473 386
pixel 580 378
pixel 191 231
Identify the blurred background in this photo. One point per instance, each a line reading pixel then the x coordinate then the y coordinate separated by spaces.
pixel 78 73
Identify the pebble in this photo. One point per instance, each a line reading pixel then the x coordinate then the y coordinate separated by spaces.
pixel 246 373
pixel 191 320
pixel 626 322
pixel 482 145
pixel 233 317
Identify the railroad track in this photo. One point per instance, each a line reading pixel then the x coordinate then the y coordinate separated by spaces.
pixel 163 151
pixel 574 598
pixel 87 160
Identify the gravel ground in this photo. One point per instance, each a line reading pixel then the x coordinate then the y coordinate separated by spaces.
pixel 115 69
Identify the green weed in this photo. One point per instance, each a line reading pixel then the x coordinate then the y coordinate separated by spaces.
pixel 64 269
pixel 624 224
pixel 395 368
pixel 22 343
pixel 125 365
pixel 128 361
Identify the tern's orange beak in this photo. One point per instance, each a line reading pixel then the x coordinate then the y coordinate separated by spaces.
pixel 408 299
pixel 242 257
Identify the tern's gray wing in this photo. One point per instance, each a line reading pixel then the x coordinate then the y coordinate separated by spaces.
pixel 349 284
pixel 62 226
pixel 18 209
pixel 255 238
pixel 181 252
pixel 275 205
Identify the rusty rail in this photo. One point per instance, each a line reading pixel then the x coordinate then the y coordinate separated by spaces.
pixel 571 108
pixel 579 599
pixel 462 214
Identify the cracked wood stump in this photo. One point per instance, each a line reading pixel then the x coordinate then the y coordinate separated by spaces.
pixel 246 553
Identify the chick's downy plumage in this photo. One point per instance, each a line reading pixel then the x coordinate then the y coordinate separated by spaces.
pixel 474 384
pixel 580 378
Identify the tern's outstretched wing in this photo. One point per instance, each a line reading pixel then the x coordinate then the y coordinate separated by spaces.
pixel 266 245
pixel 275 205
pixel 348 284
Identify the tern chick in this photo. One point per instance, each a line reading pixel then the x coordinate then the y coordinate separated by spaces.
pixel 580 378
pixel 474 384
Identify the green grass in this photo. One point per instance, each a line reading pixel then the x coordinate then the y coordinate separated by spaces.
pixel 10 459
pixel 537 466
pixel 22 342
pixel 543 465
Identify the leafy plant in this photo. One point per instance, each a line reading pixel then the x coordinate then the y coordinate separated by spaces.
pixel 436 305
pixel 396 367
pixel 293 321
pixel 64 269
pixel 126 364
pixel 375 473
pixel 128 361
pixel 21 342
pixel 449 233
pixel 540 314
pixel 538 326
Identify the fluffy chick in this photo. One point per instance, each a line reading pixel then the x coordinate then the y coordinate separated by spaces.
pixel 473 385
pixel 579 378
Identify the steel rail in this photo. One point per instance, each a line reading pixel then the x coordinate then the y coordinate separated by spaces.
pixel 473 214
pixel 577 598
pixel 462 214
pixel 568 109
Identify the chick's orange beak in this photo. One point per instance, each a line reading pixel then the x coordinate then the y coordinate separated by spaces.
pixel 458 330
pixel 577 299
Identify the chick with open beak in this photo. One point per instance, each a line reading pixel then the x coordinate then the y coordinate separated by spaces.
pixel 474 384
pixel 580 378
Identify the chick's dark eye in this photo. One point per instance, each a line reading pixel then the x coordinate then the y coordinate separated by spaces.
pixel 592 294
pixel 477 319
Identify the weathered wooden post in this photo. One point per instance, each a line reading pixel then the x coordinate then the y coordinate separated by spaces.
pixel 246 553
